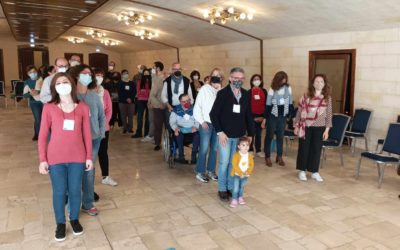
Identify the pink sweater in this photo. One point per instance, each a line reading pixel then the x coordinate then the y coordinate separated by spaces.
pixel 107 104
pixel 65 146
pixel 142 94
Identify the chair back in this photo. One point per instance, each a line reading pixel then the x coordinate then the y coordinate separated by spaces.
pixel 392 141
pixel 398 119
pixel 19 89
pixel 13 82
pixel 2 89
pixel 361 120
pixel 338 130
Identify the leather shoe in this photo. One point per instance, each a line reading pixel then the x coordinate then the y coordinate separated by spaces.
pixel 268 162
pixel 280 161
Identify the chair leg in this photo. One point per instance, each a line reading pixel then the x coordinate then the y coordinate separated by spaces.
pixel 287 145
pixel 381 173
pixel 366 143
pixel 353 145
pixel 358 168
pixel 341 156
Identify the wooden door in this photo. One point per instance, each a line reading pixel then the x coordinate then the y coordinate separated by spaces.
pixel 31 56
pixel 339 68
pixel 99 60
pixel 2 77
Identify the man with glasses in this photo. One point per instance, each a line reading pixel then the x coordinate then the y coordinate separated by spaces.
pixel 231 117
pixel 61 65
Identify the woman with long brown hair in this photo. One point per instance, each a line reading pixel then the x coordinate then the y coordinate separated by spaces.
pixel 312 124
pixel 279 106
pixel 68 152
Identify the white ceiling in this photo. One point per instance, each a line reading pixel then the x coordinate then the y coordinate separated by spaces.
pixel 273 18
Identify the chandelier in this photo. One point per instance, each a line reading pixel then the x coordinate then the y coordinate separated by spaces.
pixel 223 15
pixel 109 42
pixel 132 17
pixel 75 40
pixel 95 33
pixel 145 34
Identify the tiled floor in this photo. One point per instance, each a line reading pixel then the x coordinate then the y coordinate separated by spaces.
pixel 156 208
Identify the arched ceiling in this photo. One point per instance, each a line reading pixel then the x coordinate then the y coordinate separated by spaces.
pixel 180 23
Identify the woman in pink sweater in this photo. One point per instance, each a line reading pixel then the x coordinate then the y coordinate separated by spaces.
pixel 68 152
pixel 103 150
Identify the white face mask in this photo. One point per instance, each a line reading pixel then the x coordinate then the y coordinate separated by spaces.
pixel 256 83
pixel 74 63
pixel 62 69
pixel 64 89
pixel 99 80
pixel 195 77
pixel 153 71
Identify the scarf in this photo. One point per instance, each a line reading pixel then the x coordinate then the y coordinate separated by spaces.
pixel 310 108
pixel 275 102
pixel 177 81
pixel 178 109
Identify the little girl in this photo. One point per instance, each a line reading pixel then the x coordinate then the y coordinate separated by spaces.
pixel 242 166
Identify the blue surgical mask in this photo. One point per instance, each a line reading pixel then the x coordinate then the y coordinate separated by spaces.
pixel 33 75
pixel 85 79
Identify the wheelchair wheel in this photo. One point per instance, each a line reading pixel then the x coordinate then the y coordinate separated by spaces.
pixel 171 162
pixel 166 146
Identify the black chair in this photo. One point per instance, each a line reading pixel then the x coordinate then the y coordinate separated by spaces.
pixel 19 92
pixel 391 146
pixel 381 141
pixel 336 136
pixel 3 92
pixel 13 82
pixel 289 131
pixel 358 128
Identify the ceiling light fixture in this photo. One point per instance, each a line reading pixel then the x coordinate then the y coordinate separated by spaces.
pixel 223 15
pixel 95 33
pixel 90 1
pixel 110 42
pixel 145 34
pixel 133 17
pixel 75 40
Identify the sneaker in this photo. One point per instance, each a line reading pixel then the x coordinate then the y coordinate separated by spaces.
pixel 93 211
pixel 317 177
pixel 213 176
pixel 157 148
pixel 234 203
pixel 241 201
pixel 77 228
pixel 201 177
pixel 302 176
pixel 109 181
pixel 261 154
pixel 96 197
pixel 147 139
pixel 60 232
pixel 35 138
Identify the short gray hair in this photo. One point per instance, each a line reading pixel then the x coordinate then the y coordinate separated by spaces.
pixel 237 69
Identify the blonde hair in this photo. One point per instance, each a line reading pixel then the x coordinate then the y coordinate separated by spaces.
pixel 220 73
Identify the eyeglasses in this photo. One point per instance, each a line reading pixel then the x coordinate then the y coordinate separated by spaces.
pixel 62 66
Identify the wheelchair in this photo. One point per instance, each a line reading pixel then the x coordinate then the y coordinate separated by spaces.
pixel 170 146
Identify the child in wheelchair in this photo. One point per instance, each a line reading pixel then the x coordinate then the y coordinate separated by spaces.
pixel 183 124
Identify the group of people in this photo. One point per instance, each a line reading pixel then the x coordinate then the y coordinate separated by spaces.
pixel 219 116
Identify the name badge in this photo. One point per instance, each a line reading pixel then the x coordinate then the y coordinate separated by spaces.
pixel 186 117
pixel 236 108
pixel 257 97
pixel 69 125
pixel 281 101
pixel 127 87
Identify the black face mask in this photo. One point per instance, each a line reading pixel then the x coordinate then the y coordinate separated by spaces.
pixel 178 73
pixel 215 79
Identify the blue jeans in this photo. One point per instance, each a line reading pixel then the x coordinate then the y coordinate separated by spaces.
pixel 225 181
pixel 275 125
pixel 88 178
pixel 36 108
pixel 208 141
pixel 238 186
pixel 180 139
pixel 66 178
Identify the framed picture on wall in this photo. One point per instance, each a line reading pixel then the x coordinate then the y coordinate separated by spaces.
pixel 68 56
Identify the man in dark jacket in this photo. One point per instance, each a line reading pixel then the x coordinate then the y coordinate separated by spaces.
pixel 231 117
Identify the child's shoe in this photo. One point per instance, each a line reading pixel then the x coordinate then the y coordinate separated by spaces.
pixel 234 203
pixel 241 201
